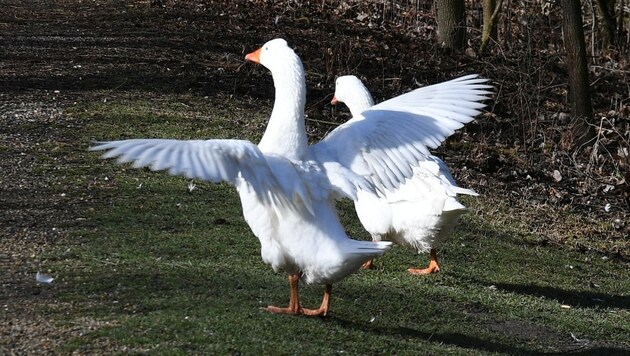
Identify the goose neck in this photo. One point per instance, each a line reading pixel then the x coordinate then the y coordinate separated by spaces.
pixel 286 131
pixel 363 102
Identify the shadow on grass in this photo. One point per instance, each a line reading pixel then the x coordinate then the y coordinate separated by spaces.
pixel 576 298
pixel 598 350
pixel 455 339
pixel 479 344
pixel 571 297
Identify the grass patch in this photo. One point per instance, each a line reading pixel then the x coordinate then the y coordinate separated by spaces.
pixel 156 267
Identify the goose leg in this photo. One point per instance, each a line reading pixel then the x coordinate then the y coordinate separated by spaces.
pixel 368 264
pixel 294 299
pixel 433 266
pixel 323 309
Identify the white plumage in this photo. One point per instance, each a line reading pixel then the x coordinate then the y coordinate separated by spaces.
pixel 423 210
pixel 288 188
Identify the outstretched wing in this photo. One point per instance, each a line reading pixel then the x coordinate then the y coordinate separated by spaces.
pixel 389 138
pixel 210 160
pixel 452 103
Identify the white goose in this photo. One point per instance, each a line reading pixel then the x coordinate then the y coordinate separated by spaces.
pixel 423 210
pixel 287 188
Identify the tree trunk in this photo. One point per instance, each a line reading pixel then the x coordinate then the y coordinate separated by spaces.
pixel 450 23
pixel 491 10
pixel 582 130
pixel 609 26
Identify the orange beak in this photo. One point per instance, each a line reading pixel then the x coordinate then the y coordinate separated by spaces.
pixel 334 101
pixel 254 56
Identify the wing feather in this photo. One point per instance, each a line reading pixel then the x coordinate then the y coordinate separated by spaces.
pixel 211 160
pixel 391 137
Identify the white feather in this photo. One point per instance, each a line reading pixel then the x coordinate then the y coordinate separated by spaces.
pixel 43 278
pixel 287 195
pixel 400 128
pixel 423 209
pixel 286 187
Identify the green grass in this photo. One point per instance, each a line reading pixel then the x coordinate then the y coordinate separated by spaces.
pixel 157 268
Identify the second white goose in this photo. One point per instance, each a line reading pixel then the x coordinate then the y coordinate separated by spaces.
pixel 423 211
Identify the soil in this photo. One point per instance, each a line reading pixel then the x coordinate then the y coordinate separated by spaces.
pixel 57 54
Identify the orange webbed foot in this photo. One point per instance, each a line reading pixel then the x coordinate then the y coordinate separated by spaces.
pixel 433 266
pixel 368 265
pixel 423 271
pixel 294 307
pixel 290 310
pixel 323 308
pixel 315 312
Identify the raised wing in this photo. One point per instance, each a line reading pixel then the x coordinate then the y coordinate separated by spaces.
pixel 210 160
pixel 454 103
pixel 389 138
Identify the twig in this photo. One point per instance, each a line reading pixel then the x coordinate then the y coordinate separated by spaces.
pixel 612 69
pixel 323 122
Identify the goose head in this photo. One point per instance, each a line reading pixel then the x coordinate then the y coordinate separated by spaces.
pixel 273 54
pixel 351 91
pixel 284 64
pixel 286 69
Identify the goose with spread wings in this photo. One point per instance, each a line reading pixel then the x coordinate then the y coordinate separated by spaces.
pixel 288 188
pixel 423 211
